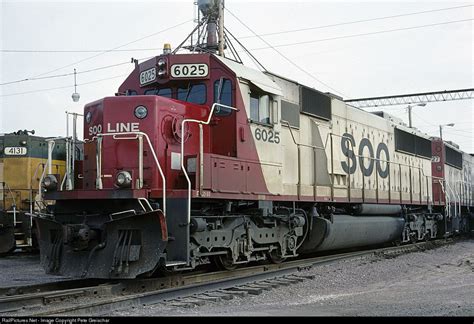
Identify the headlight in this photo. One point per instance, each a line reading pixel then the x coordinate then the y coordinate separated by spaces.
pixel 88 117
pixel 123 179
pixel 161 67
pixel 50 182
pixel 141 112
pixel 161 62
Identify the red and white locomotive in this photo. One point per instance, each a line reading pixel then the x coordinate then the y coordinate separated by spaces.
pixel 200 159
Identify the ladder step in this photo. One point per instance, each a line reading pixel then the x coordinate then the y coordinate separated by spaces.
pixel 175 263
pixel 22 245
pixel 20 242
pixel 19 234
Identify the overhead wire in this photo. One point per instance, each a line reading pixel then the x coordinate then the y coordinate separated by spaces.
pixel 38 77
pixel 68 74
pixel 358 21
pixel 115 48
pixel 253 49
pixel 444 129
pixel 80 72
pixel 243 37
pixel 364 34
pixel 63 87
pixel 282 55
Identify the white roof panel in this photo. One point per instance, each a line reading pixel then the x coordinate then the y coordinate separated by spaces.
pixel 259 79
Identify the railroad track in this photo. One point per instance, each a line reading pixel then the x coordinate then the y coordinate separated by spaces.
pixel 100 297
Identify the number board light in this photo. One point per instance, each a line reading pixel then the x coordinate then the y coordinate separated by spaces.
pixel 195 70
pixel 148 76
pixel 15 150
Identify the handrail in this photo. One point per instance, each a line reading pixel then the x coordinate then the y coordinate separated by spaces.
pixel 447 208
pixel 34 177
pixel 14 201
pixel 201 122
pixel 51 144
pixel 298 144
pixel 314 147
pixel 138 135
pixel 467 187
pixel 454 195
pixel 420 169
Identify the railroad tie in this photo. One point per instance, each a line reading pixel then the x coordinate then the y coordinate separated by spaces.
pixel 272 283
pixel 288 280
pixel 206 297
pixel 240 293
pixel 219 295
pixel 250 290
pixel 179 304
pixel 191 301
pixel 294 278
pixel 281 282
pixel 310 277
pixel 259 285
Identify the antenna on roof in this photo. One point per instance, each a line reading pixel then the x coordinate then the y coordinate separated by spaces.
pixel 209 36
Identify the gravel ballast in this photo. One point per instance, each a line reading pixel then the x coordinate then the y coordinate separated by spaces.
pixel 23 270
pixel 437 282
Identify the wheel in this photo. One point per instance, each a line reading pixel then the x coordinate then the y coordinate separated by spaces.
pixel 427 236
pixel 275 256
pixel 224 262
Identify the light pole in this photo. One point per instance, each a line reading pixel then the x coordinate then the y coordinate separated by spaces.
pixel 409 111
pixel 75 96
pixel 441 129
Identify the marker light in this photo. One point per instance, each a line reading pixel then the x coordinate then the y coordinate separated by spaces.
pixel 89 117
pixel 141 112
pixel 123 179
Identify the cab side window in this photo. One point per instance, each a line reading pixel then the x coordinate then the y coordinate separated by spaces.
pixel 223 95
pixel 259 107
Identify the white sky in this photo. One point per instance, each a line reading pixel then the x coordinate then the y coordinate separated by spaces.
pixel 417 60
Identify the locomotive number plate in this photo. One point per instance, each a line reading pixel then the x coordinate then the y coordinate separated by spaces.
pixel 148 76
pixel 15 150
pixel 189 70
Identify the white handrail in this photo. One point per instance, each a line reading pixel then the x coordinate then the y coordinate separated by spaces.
pixel 454 195
pixel 51 144
pixel 14 202
pixel 465 186
pixel 182 149
pixel 446 198
pixel 153 153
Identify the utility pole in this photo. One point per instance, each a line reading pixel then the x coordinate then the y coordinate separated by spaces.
pixel 441 129
pixel 409 115
pixel 409 112
pixel 221 40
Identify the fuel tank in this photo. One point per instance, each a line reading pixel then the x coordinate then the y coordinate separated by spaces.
pixel 345 231
pixel 376 210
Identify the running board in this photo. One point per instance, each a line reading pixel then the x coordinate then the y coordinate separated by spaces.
pixel 175 263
